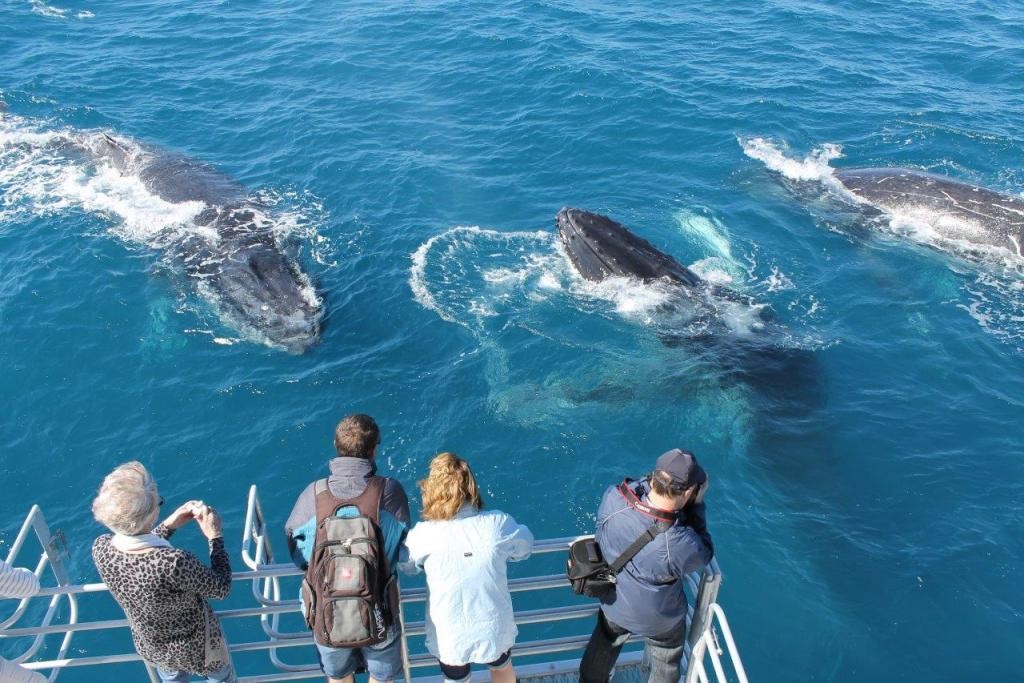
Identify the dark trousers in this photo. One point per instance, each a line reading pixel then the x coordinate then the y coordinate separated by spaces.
pixel 665 652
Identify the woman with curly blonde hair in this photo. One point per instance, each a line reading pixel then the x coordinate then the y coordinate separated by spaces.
pixel 464 550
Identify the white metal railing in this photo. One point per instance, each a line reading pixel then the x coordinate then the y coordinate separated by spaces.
pixel 707 644
pixel 270 604
pixel 52 556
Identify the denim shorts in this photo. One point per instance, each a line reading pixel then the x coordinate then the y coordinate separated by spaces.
pixel 383 661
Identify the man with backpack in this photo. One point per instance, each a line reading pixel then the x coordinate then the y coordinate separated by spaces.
pixel 658 526
pixel 345 532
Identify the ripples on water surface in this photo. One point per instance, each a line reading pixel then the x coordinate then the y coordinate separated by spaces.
pixel 867 497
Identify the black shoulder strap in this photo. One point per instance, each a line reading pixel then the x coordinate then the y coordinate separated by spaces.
pixel 646 537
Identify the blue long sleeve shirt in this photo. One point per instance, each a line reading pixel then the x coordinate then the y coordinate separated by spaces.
pixel 649 599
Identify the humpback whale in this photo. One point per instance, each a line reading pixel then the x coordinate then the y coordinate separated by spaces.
pixel 233 256
pixel 730 328
pixel 600 248
pixel 971 215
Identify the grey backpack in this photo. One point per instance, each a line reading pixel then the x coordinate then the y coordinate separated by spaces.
pixel 349 593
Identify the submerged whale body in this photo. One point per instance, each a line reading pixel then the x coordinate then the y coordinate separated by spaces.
pixel 234 256
pixel 954 210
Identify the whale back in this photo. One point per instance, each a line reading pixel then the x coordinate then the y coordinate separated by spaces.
pixel 955 209
pixel 179 179
pixel 172 177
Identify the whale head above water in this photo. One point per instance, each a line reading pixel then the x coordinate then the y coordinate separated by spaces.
pixel 252 283
pixel 600 248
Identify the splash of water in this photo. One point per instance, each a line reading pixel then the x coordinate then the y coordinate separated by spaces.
pixel 814 166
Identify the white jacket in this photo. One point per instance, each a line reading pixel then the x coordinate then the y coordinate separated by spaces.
pixel 469 609
pixel 17 583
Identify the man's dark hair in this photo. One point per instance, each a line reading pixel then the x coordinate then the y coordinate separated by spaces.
pixel 664 485
pixel 356 436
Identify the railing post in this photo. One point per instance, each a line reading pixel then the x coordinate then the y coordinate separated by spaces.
pixel 406 669
pixel 707 594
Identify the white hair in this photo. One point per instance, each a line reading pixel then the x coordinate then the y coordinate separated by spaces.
pixel 128 500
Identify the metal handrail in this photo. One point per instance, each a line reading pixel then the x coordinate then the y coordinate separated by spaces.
pixel 50 557
pixel 707 643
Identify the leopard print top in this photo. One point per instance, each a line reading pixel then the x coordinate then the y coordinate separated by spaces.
pixel 164 595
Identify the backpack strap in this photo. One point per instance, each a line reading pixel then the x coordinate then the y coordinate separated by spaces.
pixel 369 503
pixel 325 502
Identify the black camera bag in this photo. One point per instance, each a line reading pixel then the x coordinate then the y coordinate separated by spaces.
pixel 587 571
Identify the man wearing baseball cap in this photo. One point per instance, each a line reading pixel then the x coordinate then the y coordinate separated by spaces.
pixel 648 599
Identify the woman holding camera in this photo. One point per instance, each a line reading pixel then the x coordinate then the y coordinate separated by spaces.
pixel 163 590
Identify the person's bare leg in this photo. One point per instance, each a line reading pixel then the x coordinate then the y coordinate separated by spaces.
pixel 347 679
pixel 506 674
pixel 370 679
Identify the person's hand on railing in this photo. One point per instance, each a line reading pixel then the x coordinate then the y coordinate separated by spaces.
pixel 183 514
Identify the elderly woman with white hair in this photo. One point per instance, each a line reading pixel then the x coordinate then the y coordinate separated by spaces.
pixel 163 590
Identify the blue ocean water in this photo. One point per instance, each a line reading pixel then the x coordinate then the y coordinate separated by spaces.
pixel 866 501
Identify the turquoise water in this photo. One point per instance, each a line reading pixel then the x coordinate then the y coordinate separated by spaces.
pixel 866 503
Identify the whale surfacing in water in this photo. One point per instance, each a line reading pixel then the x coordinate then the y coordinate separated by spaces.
pixel 720 323
pixel 600 248
pixel 235 257
pixel 954 210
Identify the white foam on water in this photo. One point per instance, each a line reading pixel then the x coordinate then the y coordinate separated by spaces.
pixel 814 166
pixel 996 304
pixel 450 261
pixel 713 269
pixel 44 171
pixel 549 281
pixel 996 294
pixel 632 298
pixel 143 216
pixel 298 215
pixel 41 8
pixel 743 320
pixel 41 174
pixel 778 281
